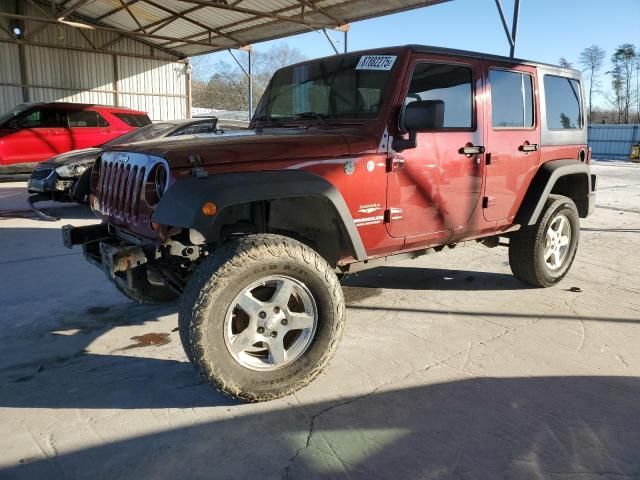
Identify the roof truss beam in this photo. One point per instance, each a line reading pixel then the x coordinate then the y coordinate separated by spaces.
pixel 91 26
pixel 258 14
pixel 207 29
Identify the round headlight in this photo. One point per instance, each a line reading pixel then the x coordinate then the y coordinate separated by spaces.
pixel 161 178
pixel 156 184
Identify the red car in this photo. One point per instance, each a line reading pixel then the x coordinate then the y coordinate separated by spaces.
pixel 32 133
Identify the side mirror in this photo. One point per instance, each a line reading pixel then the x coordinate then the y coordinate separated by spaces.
pixel 419 116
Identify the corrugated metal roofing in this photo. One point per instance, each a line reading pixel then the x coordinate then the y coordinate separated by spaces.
pixel 613 141
pixel 193 27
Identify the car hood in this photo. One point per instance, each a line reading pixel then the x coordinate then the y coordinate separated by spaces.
pixel 253 145
pixel 86 155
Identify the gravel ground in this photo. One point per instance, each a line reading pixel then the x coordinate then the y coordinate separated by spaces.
pixel 449 368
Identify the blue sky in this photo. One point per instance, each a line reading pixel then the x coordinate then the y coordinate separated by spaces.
pixel 548 29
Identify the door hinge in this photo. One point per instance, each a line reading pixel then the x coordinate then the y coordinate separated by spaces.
pixel 392 214
pixel 488 202
pixel 395 163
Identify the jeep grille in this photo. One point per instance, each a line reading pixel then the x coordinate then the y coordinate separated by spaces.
pixel 120 185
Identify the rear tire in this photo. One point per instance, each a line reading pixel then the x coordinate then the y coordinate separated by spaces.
pixel 542 254
pixel 261 317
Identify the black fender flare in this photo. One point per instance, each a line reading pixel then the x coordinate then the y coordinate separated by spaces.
pixel 181 205
pixel 542 185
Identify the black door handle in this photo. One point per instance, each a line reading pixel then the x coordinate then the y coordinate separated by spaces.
pixel 528 147
pixel 471 150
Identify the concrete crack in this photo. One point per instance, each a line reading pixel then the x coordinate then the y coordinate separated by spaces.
pixel 314 418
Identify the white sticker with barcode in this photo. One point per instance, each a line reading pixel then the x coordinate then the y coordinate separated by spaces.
pixel 376 62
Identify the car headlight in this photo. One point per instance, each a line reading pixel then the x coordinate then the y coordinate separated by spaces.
pixel 71 170
pixel 156 184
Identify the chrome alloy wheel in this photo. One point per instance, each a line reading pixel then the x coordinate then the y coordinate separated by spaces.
pixel 557 242
pixel 270 323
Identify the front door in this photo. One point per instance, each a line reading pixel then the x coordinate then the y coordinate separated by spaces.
pixel 434 188
pixel 41 134
pixel 513 139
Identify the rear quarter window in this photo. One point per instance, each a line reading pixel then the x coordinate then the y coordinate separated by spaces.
pixel 562 98
pixel 134 119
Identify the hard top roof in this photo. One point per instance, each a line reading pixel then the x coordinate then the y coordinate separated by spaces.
pixel 398 49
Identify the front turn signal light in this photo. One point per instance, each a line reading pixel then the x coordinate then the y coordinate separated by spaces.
pixel 209 209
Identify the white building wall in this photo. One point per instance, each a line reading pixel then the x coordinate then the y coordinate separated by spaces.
pixel 63 65
pixel 10 90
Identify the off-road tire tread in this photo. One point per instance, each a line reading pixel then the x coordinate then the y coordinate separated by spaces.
pixel 216 271
pixel 523 245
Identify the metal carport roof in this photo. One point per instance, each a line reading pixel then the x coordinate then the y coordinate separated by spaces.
pixel 193 27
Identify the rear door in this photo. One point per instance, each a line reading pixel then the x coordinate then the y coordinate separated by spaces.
pixel 87 128
pixel 433 189
pixel 513 138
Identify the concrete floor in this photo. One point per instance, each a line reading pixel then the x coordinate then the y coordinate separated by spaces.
pixel 449 368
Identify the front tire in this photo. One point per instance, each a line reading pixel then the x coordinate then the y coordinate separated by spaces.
pixel 261 317
pixel 542 254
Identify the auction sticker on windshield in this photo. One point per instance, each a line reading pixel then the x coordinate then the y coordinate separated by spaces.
pixel 376 62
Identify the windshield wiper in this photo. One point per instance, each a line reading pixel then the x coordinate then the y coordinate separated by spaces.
pixel 314 115
pixel 267 118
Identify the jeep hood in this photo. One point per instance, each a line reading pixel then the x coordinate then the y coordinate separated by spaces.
pixel 246 146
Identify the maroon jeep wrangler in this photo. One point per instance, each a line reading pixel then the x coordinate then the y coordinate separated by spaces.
pixel 349 160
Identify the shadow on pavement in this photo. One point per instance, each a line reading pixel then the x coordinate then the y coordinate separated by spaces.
pixel 64 211
pixel 611 230
pixel 416 278
pixel 482 428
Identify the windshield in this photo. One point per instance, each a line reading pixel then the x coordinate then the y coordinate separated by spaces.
pixel 5 117
pixel 149 132
pixel 344 87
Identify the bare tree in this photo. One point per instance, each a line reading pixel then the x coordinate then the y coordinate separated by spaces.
pixel 623 62
pixel 592 61
pixel 224 85
pixel 563 62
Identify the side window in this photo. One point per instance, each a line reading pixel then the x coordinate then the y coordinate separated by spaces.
pixel 562 97
pixel 203 128
pixel 448 85
pixel 134 119
pixel 85 118
pixel 44 118
pixel 184 131
pixel 511 99
pixel 194 129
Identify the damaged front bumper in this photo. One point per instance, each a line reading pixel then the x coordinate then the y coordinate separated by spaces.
pixel 106 251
